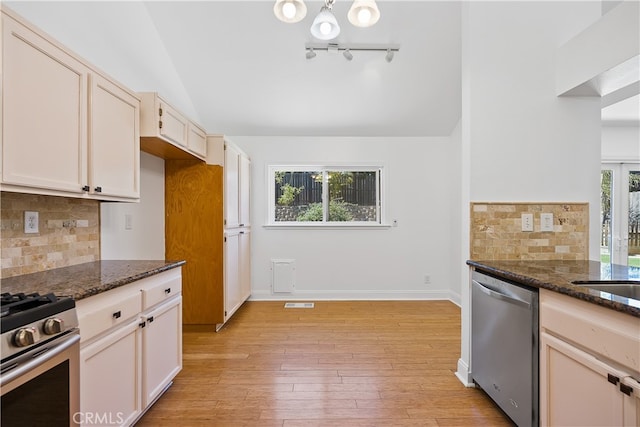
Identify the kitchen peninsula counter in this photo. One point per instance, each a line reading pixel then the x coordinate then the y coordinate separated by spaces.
pixel 84 280
pixel 558 276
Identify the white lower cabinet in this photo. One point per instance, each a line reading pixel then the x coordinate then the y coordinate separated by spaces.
pixel 589 364
pixel 130 348
pixel 237 269
pixel 244 263
pixel 107 393
pixel 579 389
pixel 232 293
pixel 631 402
pixel 161 348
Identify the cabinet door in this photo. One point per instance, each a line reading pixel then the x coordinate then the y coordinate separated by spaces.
pixel 631 402
pixel 110 376
pixel 244 173
pixel 244 260
pixel 114 144
pixel 161 348
pixel 232 292
pixel 173 125
pixel 231 186
pixel 44 96
pixel 575 389
pixel 197 140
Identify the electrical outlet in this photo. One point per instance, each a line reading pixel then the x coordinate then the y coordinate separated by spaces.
pixel 546 222
pixel 527 222
pixel 427 279
pixel 31 222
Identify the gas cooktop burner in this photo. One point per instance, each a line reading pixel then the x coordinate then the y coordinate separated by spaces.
pixel 19 309
pixel 14 303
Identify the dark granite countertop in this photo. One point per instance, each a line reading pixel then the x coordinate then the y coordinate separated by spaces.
pixel 559 275
pixel 84 280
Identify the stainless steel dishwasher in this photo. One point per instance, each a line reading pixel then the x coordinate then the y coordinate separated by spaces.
pixel 504 345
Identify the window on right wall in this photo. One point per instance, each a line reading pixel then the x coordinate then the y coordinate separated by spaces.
pixel 325 195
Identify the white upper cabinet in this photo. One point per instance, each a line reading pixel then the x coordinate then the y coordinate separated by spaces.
pixel 237 175
pixel 244 177
pixel 167 133
pixel 114 142
pixel 66 129
pixel 231 186
pixel 171 124
pixel 197 140
pixel 44 113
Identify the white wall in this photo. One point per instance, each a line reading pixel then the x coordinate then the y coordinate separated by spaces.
pixel 524 143
pixel 621 143
pixel 458 242
pixel 145 239
pixel 387 263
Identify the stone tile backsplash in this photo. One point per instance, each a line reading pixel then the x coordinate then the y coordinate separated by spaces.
pixel 69 233
pixel 496 232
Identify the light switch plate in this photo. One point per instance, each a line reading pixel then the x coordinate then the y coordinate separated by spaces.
pixel 128 222
pixel 527 222
pixel 31 222
pixel 546 222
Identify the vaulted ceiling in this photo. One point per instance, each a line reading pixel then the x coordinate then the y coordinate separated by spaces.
pixel 246 72
pixel 240 71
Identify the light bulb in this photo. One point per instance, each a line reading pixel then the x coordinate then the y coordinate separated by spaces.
pixel 325 28
pixel 364 15
pixel 289 10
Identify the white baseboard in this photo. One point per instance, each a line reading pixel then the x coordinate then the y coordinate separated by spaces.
pixel 464 374
pixel 354 296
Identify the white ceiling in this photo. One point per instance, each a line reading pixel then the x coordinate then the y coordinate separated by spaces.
pixel 623 113
pixel 246 72
pixel 240 71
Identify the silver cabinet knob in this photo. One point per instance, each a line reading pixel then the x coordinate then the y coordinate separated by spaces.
pixel 26 336
pixel 53 326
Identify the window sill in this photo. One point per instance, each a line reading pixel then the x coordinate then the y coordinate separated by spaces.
pixel 334 226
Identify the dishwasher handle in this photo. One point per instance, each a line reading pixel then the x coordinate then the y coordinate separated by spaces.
pixel 498 295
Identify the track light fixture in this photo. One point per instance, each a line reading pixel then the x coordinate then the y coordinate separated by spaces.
pixel 310 53
pixel 347 50
pixel 389 56
pixel 363 13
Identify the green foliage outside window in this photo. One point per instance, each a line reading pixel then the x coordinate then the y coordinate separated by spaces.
pixel 289 194
pixel 337 212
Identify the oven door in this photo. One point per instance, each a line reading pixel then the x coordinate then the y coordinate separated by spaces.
pixel 42 387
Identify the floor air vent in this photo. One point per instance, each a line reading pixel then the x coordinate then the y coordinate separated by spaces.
pixel 299 305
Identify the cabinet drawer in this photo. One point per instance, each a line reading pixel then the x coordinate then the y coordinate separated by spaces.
pixel 162 287
pixel 605 332
pixel 101 312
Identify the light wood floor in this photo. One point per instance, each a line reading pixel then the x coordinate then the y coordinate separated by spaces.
pixel 338 364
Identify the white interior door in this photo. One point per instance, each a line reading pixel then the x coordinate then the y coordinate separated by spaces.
pixel 620 213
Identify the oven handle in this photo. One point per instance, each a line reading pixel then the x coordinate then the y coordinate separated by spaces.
pixel 41 358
